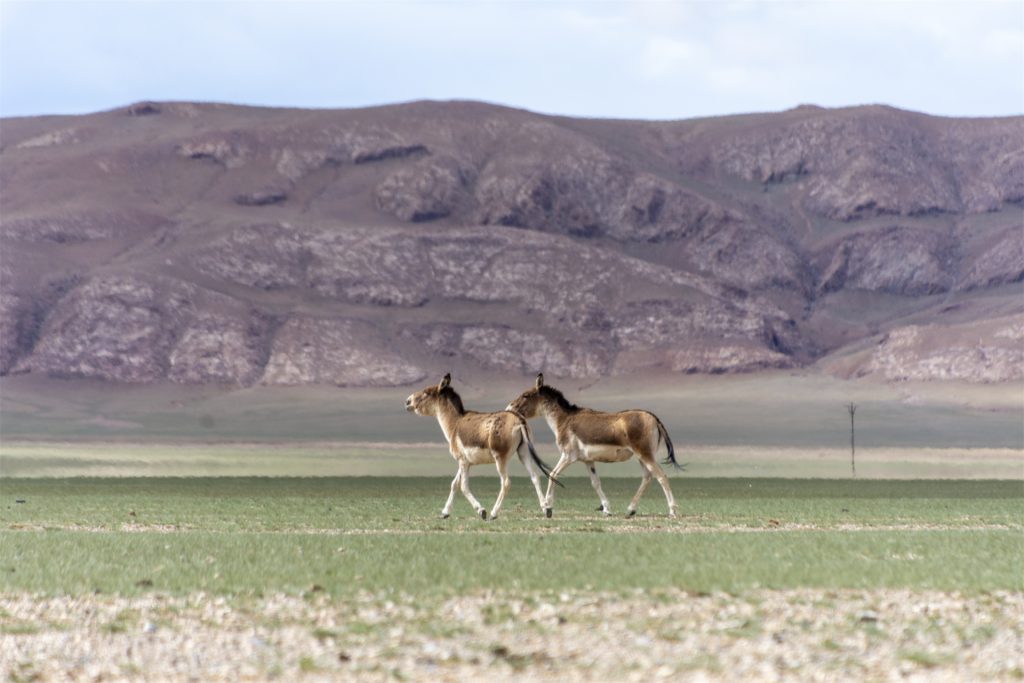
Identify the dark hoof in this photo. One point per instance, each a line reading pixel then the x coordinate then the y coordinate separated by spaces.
pixel 483 514
pixel 444 515
pixel 547 512
pixel 631 513
pixel 600 508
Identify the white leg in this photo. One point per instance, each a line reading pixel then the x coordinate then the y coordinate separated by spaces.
pixel 531 469
pixel 631 510
pixel 659 474
pixel 451 495
pixel 502 465
pixel 549 499
pixel 464 483
pixel 596 482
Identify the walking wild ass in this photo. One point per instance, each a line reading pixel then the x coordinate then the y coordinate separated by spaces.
pixel 592 437
pixel 477 438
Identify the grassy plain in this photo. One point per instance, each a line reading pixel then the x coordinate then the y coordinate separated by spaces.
pixel 253 577
pixel 253 535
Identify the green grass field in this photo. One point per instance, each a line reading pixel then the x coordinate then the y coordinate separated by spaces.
pixel 227 578
pixel 254 535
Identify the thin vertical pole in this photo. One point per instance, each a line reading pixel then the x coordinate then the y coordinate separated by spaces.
pixel 853 463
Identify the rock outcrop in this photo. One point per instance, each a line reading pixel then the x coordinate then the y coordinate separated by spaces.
pixel 134 328
pixel 866 261
pixel 425 191
pixel 121 328
pixel 877 161
pixel 991 352
pixel 343 352
pixel 1001 263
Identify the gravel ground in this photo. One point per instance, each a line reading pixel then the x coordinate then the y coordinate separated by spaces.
pixel 802 634
pixel 770 525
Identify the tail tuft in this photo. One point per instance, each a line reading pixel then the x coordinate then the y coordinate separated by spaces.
pixel 671 458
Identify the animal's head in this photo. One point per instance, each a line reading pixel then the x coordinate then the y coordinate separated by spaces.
pixel 528 403
pixel 426 401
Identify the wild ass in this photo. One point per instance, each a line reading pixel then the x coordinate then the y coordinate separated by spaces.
pixel 592 436
pixel 476 438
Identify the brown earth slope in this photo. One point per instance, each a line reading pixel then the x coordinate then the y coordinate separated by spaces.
pixel 202 243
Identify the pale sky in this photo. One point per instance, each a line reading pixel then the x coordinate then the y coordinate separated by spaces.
pixel 647 59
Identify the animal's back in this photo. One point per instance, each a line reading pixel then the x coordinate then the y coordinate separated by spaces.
pixel 628 426
pixel 492 431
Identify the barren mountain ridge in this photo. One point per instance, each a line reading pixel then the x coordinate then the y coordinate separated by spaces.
pixel 217 244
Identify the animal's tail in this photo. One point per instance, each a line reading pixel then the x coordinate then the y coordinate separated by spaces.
pixel 524 433
pixel 663 434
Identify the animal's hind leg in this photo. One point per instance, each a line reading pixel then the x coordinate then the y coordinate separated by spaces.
pixel 659 474
pixel 451 495
pixel 502 465
pixel 464 483
pixel 644 483
pixel 596 481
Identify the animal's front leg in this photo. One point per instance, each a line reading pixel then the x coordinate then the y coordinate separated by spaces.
pixel 549 499
pixel 464 482
pixel 451 495
pixel 502 465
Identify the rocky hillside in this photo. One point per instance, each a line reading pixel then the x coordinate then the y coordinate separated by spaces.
pixel 375 247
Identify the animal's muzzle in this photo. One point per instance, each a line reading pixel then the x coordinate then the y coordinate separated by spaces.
pixel 408 404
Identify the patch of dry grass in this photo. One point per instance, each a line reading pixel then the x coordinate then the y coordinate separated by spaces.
pixel 561 636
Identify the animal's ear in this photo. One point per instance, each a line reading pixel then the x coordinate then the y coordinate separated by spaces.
pixel 445 381
pixel 540 379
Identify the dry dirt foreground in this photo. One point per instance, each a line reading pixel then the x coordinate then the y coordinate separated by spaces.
pixel 801 634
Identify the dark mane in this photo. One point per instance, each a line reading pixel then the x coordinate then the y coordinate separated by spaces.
pixel 559 398
pixel 454 398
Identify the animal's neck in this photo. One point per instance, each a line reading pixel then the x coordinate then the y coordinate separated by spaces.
pixel 555 415
pixel 448 418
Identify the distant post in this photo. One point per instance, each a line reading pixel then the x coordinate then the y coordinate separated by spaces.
pixel 852 407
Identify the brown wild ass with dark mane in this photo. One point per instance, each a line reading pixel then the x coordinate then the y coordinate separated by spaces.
pixel 477 438
pixel 592 436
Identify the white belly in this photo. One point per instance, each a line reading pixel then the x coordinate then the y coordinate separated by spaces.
pixel 475 456
pixel 605 453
